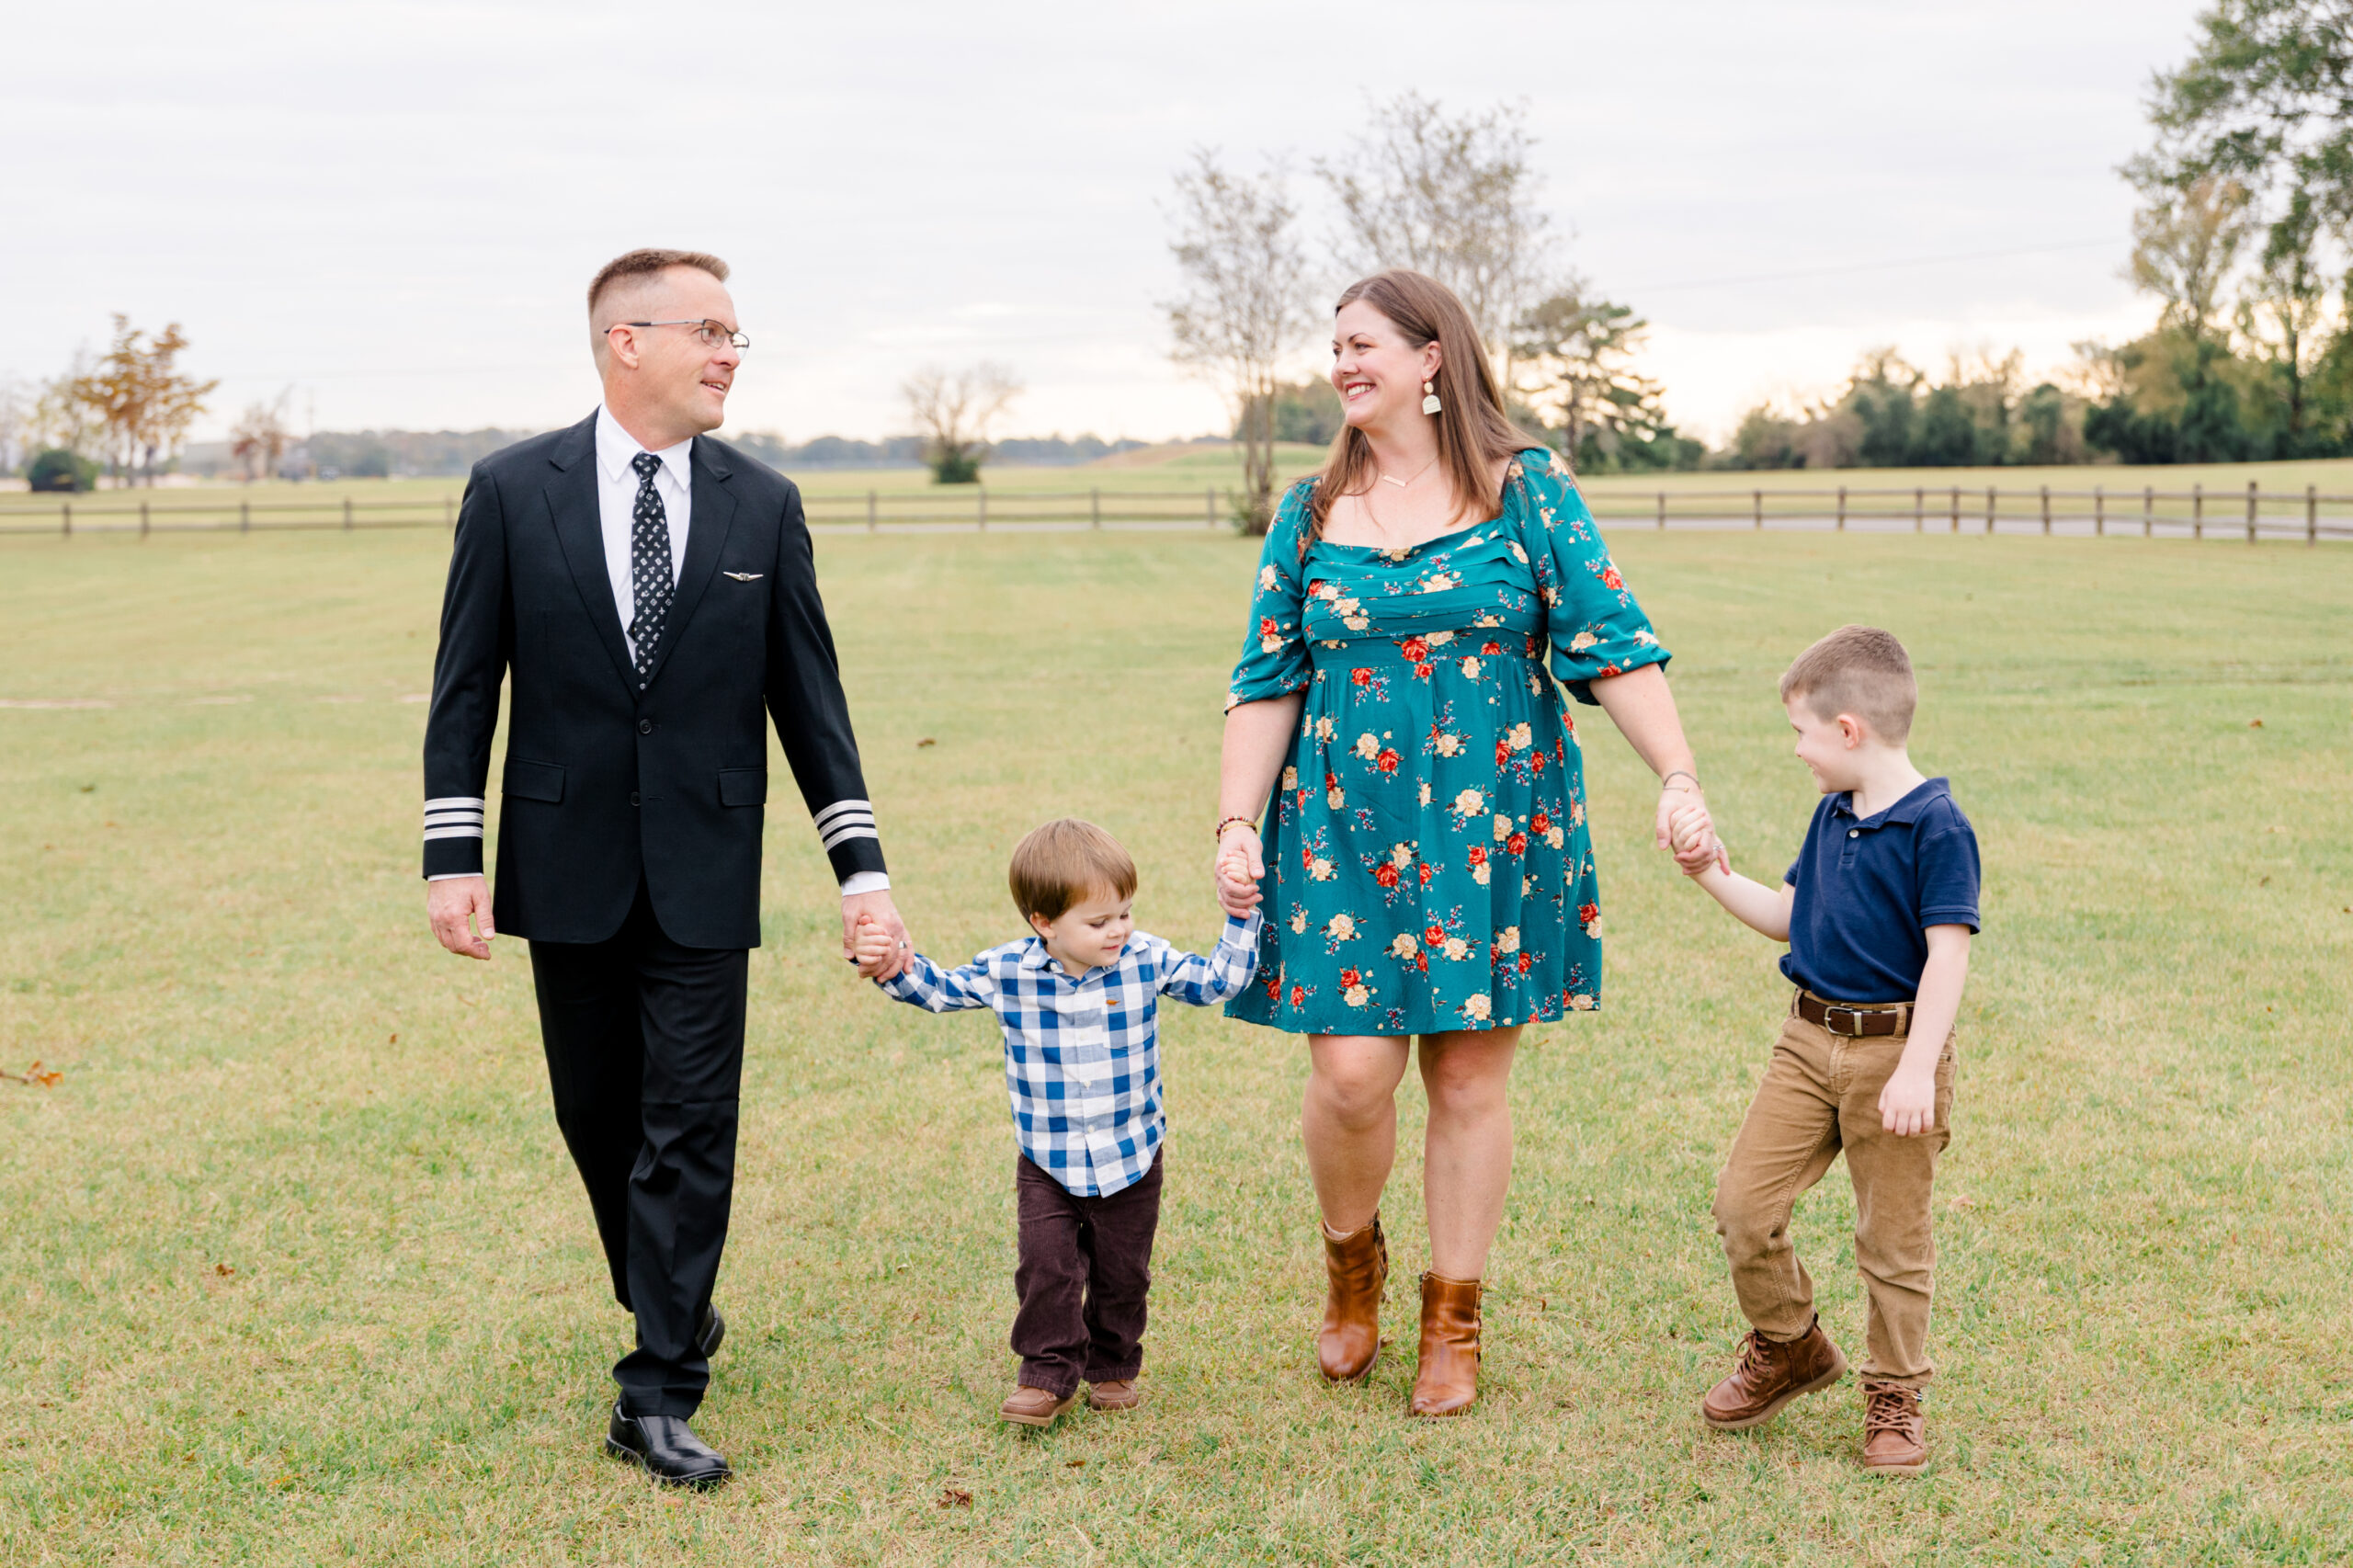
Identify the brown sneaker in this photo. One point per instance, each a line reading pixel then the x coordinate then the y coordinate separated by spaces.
pixel 1355 1266
pixel 1447 1381
pixel 1036 1407
pixel 1895 1434
pixel 1114 1393
pixel 1768 1375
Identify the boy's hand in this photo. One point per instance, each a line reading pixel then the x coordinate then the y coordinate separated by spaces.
pixel 1907 1107
pixel 871 945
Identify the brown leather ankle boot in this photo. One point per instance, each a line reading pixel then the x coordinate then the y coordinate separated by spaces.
pixel 1768 1375
pixel 1449 1379
pixel 1356 1265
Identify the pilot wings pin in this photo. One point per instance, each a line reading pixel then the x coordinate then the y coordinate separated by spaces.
pixel 744 576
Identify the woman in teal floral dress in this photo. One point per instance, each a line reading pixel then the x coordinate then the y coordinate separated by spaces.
pixel 1402 793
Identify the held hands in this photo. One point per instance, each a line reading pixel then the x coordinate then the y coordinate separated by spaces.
pixel 872 947
pixel 1907 1107
pixel 1693 835
pixel 457 905
pixel 884 957
pixel 1241 861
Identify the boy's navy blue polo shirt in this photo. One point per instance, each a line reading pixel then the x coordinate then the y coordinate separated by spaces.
pixel 1868 888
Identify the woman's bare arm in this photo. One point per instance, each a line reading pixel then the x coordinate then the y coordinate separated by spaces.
pixel 1640 703
pixel 1257 738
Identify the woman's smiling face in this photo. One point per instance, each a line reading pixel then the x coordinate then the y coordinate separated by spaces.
pixel 1377 373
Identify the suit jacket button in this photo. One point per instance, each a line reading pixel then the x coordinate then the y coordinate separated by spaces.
pixel 645 726
pixel 632 797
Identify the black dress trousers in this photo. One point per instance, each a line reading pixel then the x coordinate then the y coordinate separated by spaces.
pixel 644 1042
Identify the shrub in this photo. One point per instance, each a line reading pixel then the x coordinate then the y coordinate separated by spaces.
pixel 59 470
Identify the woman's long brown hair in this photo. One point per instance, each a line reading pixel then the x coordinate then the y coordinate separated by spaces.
pixel 1473 433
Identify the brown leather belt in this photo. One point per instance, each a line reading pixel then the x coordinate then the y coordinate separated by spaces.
pixel 1856 1022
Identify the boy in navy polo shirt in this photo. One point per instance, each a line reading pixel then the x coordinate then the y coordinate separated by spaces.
pixel 1878 912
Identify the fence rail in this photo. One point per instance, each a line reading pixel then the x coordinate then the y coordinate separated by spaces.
pixel 2252 513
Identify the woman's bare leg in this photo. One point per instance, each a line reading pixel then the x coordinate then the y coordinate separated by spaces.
pixel 1348 1121
pixel 1466 1155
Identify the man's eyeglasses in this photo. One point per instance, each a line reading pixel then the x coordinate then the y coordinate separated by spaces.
pixel 710 333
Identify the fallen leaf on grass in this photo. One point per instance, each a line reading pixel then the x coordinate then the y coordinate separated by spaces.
pixel 36 1076
pixel 927 741
pixel 2255 724
pixel 955 1498
pixel 224 1269
pixel 1075 1464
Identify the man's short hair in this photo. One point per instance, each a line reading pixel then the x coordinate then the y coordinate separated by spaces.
pixel 645 264
pixel 1059 864
pixel 1859 670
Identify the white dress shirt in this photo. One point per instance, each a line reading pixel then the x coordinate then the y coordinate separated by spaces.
pixel 617 484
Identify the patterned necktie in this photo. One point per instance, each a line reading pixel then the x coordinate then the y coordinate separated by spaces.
pixel 651 582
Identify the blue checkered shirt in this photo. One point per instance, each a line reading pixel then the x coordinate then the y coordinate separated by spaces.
pixel 1082 1054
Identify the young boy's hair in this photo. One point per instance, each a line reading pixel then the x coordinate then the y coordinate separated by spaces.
pixel 1859 670
pixel 1059 864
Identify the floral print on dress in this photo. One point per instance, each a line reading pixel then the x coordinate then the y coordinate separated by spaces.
pixel 1427 840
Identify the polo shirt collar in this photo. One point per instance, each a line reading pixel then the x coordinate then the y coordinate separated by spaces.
pixel 1905 811
pixel 616 446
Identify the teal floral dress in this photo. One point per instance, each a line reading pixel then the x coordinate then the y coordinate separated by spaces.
pixel 1427 864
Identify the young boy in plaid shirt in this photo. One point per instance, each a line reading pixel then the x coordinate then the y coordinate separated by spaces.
pixel 1079 1001
pixel 1878 910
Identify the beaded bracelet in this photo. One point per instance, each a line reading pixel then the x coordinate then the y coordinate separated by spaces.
pixel 1252 822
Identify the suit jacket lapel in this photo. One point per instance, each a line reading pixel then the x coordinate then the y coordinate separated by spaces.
pixel 580 531
pixel 707 525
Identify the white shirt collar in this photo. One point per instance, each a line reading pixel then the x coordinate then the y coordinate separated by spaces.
pixel 616 446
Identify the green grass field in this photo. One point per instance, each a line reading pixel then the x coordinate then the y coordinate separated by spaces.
pixel 295 1270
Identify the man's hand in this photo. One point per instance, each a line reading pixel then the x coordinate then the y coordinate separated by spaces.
pixel 1241 861
pixel 891 960
pixel 457 905
pixel 1907 1107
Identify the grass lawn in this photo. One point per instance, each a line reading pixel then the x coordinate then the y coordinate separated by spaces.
pixel 295 1269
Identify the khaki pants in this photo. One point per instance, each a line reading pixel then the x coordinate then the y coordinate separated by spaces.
pixel 1821 1095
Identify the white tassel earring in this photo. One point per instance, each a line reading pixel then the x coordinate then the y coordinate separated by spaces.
pixel 1430 404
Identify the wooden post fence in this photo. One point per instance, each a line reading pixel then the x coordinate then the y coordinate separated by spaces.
pixel 142 518
pixel 1956 508
pixel 2197 511
pixel 1095 507
pixel 1661 511
pixel 1989 508
pixel 1209 500
pixel 2148 510
pixel 873 522
pixel 1757 500
pixel 2311 513
pixel 981 496
pixel 347 514
pixel 2250 511
pixel 244 516
pixel 1842 508
pixel 2099 511
pixel 2046 508
pixel 1919 509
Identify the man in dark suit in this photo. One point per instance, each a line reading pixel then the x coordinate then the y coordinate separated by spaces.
pixel 650 592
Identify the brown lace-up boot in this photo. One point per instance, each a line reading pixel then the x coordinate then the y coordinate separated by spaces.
pixel 1449 1379
pixel 1768 1375
pixel 1357 1263
pixel 1895 1434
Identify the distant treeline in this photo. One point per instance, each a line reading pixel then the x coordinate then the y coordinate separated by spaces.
pixel 416 454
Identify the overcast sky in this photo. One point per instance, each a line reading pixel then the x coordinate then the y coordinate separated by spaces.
pixel 394 207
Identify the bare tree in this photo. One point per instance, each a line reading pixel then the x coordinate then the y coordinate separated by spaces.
pixel 1244 307
pixel 17 401
pixel 1452 196
pixel 260 436
pixel 954 410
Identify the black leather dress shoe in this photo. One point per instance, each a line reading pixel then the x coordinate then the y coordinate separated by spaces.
pixel 713 1330
pixel 667 1447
